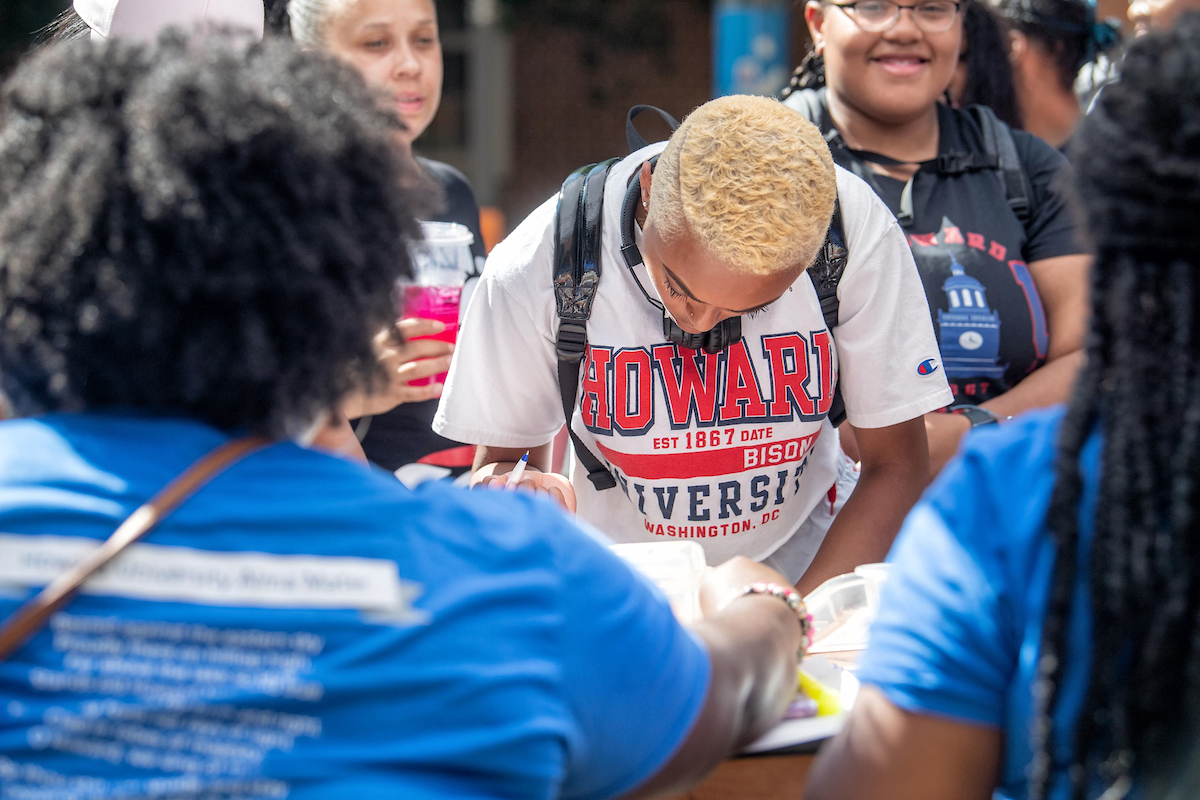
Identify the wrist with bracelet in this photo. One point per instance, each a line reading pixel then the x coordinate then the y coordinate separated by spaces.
pixel 977 415
pixel 793 600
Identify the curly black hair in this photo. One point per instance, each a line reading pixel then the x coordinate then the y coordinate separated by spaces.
pixel 195 229
pixel 1137 165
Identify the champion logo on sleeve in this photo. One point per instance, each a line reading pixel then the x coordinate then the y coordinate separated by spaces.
pixel 927 367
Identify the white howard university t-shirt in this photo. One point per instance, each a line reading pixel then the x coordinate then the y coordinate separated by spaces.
pixel 730 450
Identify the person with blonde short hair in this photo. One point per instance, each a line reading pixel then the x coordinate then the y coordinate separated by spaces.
pixel 709 373
pixel 756 191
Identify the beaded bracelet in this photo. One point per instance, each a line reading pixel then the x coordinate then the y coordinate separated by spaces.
pixel 790 596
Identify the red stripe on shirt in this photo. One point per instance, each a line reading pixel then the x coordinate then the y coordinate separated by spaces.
pixel 705 463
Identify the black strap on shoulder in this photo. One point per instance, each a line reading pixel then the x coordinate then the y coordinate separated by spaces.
pixel 816 111
pixel 998 142
pixel 826 273
pixel 999 154
pixel 576 279
pixel 828 267
pixel 634 139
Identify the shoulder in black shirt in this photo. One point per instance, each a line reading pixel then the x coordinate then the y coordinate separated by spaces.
pixel 973 253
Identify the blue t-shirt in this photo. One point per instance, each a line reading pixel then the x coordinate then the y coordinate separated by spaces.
pixel 960 619
pixel 304 627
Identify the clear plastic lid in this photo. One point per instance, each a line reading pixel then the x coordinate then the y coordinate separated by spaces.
pixel 844 607
pixel 443 256
pixel 446 234
pixel 840 616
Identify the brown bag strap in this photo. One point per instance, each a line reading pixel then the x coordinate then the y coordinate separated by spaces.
pixel 33 615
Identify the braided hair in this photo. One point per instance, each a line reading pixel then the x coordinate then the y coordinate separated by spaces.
pixel 809 75
pixel 1138 174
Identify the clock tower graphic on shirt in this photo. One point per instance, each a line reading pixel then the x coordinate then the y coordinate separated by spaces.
pixel 969 331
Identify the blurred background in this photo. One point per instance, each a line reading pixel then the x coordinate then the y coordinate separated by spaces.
pixel 536 88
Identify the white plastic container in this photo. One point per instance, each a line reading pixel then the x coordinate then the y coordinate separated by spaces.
pixel 676 568
pixel 844 607
pixel 839 611
pixel 874 576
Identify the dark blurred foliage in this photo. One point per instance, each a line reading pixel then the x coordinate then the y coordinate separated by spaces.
pixel 617 26
pixel 607 29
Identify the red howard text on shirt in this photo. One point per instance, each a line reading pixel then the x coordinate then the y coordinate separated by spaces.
pixel 793 380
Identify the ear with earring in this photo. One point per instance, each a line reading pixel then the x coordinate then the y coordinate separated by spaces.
pixel 645 204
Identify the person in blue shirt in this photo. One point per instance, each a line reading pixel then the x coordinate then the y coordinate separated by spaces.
pixel 1040 634
pixel 199 241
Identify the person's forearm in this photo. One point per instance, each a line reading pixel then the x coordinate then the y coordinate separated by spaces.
pixel 752 647
pixel 499 460
pixel 493 466
pixel 864 529
pixel 873 757
pixel 1049 384
pixel 758 637
pixel 1046 386
pixel 489 458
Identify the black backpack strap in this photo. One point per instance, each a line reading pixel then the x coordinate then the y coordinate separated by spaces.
pixel 826 273
pixel 998 141
pixel 1000 154
pixel 816 111
pixel 634 139
pixel 576 279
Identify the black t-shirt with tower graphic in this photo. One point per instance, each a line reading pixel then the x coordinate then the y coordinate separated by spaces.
pixel 973 255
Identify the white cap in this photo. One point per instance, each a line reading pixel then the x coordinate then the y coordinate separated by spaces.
pixel 145 19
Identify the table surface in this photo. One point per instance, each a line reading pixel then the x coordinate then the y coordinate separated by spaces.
pixel 754 778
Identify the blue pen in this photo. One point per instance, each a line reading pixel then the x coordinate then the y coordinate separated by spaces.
pixel 514 477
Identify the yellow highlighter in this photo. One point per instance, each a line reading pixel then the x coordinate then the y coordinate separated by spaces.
pixel 828 701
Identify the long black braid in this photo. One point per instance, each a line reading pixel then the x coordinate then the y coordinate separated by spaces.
pixel 1138 173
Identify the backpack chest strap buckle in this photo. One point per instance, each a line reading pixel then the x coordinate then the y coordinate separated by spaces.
pixel 572 342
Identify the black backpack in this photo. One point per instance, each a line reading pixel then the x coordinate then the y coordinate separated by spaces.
pixel 577 267
pixel 999 154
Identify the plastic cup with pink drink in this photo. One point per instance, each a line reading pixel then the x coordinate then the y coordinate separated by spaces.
pixel 441 262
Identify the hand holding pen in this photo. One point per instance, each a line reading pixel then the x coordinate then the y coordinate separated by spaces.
pixel 514 477
pixel 524 476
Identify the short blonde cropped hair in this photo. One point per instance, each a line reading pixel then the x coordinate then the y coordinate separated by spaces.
pixel 751 179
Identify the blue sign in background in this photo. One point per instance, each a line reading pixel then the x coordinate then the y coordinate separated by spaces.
pixel 750 48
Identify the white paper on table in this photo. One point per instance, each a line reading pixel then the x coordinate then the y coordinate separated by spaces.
pixel 676 568
pixel 795 732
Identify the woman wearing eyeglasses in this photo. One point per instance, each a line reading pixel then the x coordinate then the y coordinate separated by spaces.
pixel 1002 267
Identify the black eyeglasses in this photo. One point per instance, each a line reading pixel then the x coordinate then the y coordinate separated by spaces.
pixel 876 16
